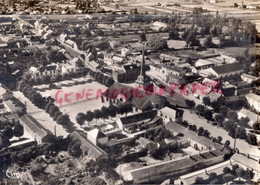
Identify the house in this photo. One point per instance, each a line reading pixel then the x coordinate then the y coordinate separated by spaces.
pixel 248 163
pixel 249 78
pixel 97 137
pixel 226 70
pixel 50 70
pixel 171 58
pixel 159 26
pixel 71 44
pixel 144 142
pixel 254 101
pixel 244 113
pixel 167 70
pixel 125 52
pixel 93 65
pixel 203 64
pixel 169 115
pixel 87 147
pixel 35 129
pixel 141 119
pixel 5 94
pixel 127 73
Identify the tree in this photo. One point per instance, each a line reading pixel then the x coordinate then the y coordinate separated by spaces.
pixel 53 109
pixel 208 115
pixel 219 139
pixel 46 79
pixel 75 149
pixel 18 130
pixel 227 143
pixel 89 116
pixel 80 118
pixel 215 181
pixel 190 103
pixel 55 117
pixel 97 114
pixel 212 176
pixel 206 133
pixel 208 42
pixel 199 180
pixel 227 170
pixel 252 139
pixel 200 109
pixel 232 115
pixel 142 37
pixel 200 131
pixel 228 177
pixel 105 112
pixel 48 106
pixel 63 119
pixel 112 110
pixel 240 172
pixel 215 105
pixel 8 132
pixel 157 43
pixel 219 118
pixel 206 101
pixel 256 126
pixel 241 133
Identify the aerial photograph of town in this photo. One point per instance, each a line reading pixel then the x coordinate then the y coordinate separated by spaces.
pixel 122 92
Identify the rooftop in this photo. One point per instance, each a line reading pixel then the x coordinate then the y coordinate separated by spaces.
pixel 227 68
pixel 247 161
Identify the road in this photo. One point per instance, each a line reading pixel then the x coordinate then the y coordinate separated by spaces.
pixel 242 145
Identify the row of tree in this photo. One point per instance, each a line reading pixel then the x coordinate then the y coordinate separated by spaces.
pixel 101 78
pixel 104 113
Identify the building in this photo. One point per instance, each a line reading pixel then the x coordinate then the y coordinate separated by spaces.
pixel 171 58
pixel 50 70
pixel 248 163
pixel 169 115
pixel 35 129
pixel 254 101
pixel 71 44
pixel 172 168
pixel 141 119
pixel 127 73
pixel 5 94
pixel 226 71
pixel 249 78
pixel 87 147
pixel 11 107
pixel 157 26
pixel 203 64
pixel 97 137
pixel 244 113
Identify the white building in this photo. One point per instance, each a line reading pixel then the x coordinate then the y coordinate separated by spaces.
pixel 97 137
pixel 254 101
pixel 249 78
pixel 243 113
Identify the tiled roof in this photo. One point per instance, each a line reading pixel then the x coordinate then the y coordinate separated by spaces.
pixel 148 115
pixel 227 68
pixel 247 161
pixel 34 125
pixel 93 150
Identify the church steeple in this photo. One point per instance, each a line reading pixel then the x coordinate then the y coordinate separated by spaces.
pixel 143 63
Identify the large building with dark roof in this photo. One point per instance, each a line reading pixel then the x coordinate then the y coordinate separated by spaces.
pixel 127 73
pixel 226 70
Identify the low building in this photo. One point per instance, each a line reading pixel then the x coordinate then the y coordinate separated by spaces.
pixel 169 115
pixel 172 168
pixel 11 107
pixel 249 78
pixel 50 70
pixel 144 142
pixel 157 26
pixel 87 147
pixel 254 101
pixel 136 119
pixel 203 64
pixel 35 129
pixel 127 73
pixel 226 71
pixel 244 113
pixel 248 163
pixel 97 137
pixel 5 94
